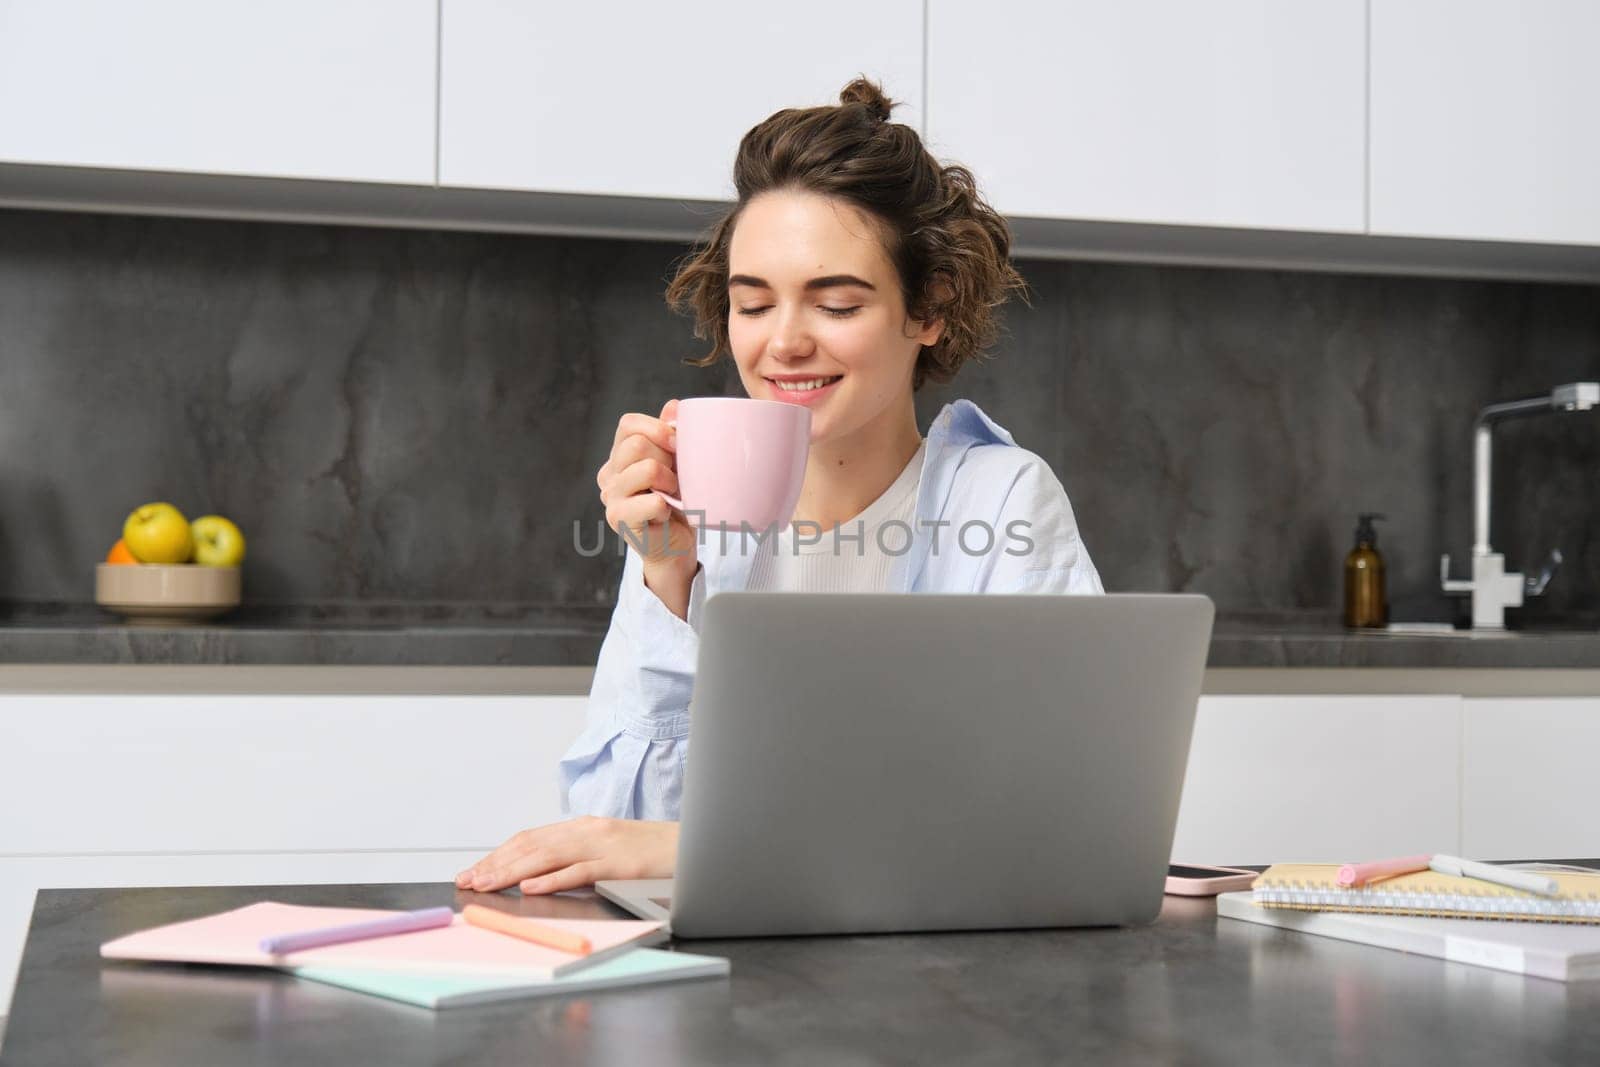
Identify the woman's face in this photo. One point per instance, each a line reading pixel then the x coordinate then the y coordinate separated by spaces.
pixel 812 295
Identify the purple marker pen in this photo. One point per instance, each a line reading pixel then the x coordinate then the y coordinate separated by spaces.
pixel 404 923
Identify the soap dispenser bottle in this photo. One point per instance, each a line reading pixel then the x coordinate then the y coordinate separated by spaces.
pixel 1365 604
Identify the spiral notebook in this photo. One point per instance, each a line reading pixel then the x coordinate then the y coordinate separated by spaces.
pixel 1563 952
pixel 1315 887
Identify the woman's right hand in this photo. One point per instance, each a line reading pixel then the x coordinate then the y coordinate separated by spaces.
pixel 644 457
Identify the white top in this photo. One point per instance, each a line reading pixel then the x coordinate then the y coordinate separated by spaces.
pixel 854 556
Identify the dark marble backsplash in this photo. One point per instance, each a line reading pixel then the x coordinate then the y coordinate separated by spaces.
pixel 418 416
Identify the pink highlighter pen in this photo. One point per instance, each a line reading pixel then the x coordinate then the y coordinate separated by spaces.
pixel 1357 874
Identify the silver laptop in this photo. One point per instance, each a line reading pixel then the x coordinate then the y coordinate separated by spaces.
pixel 889 762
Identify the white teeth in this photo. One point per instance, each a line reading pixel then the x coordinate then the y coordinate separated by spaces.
pixel 803 387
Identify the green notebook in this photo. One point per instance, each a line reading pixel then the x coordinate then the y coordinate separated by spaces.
pixel 642 966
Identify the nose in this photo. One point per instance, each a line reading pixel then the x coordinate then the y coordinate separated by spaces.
pixel 790 338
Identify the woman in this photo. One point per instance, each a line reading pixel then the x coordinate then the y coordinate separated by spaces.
pixel 853 269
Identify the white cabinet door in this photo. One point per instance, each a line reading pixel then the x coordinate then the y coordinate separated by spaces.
pixel 293 88
pixel 1528 774
pixel 1484 119
pixel 641 98
pixel 169 774
pixel 1232 113
pixel 1321 779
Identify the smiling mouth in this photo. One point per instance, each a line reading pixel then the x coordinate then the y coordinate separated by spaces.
pixel 805 386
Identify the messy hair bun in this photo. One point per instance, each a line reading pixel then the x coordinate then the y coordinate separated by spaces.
pixel 863 93
pixel 949 247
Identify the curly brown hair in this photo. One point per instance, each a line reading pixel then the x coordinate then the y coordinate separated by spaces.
pixel 949 247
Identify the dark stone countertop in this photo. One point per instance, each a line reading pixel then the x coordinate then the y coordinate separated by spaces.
pixel 1317 639
pixel 554 635
pixel 359 634
pixel 1188 988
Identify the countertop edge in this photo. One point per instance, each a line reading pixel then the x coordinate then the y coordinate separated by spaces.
pixel 293 679
pixel 549 639
pixel 341 680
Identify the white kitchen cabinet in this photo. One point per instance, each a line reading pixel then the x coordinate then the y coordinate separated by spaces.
pixel 1528 773
pixel 295 88
pixel 1238 113
pixel 1484 120
pixel 647 99
pixel 1321 779
pixel 190 773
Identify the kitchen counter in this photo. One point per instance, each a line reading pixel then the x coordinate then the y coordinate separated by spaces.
pixel 378 634
pixel 1189 987
pixel 550 635
pixel 1316 639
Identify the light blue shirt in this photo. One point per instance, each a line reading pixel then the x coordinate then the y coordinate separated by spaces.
pixel 629 761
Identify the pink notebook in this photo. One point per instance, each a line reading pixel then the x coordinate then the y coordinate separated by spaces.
pixel 234 937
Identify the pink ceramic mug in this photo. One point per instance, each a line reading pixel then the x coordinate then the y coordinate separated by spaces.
pixel 740 461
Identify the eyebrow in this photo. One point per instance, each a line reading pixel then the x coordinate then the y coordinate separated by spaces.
pixel 829 281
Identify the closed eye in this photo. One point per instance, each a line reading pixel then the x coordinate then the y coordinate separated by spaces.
pixel 838 313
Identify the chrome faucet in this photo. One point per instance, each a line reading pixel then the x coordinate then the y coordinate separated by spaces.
pixel 1492 589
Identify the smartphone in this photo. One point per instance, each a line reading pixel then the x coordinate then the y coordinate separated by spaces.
pixel 1192 880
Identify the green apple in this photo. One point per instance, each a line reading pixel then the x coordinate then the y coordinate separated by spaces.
pixel 158 533
pixel 217 542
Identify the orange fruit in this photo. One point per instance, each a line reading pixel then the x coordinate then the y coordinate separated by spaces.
pixel 119 553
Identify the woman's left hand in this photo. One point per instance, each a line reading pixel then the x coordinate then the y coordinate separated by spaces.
pixel 578 852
